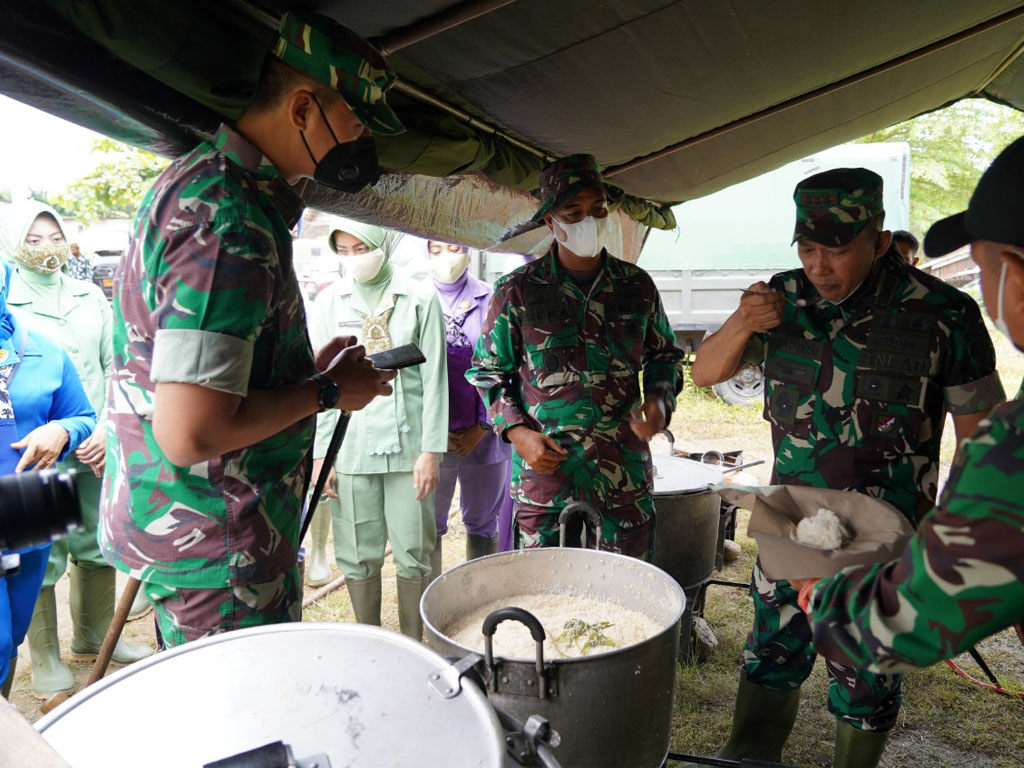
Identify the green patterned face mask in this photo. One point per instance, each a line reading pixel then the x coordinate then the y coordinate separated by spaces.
pixel 43 259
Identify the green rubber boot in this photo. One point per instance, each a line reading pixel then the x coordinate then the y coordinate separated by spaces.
pixel 761 722
pixel 5 686
pixel 365 597
pixel 318 566
pixel 409 593
pixel 49 675
pixel 478 546
pixel 436 560
pixel 92 608
pixel 856 748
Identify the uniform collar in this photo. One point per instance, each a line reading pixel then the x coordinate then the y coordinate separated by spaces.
pixel 243 152
pixel 21 294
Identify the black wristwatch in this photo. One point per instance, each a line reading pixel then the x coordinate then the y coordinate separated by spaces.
pixel 328 393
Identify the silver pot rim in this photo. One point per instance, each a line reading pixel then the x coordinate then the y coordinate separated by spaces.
pixel 670 583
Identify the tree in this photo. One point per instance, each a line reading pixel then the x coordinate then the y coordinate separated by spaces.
pixel 949 150
pixel 115 187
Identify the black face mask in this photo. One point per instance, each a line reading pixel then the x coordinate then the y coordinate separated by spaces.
pixel 348 166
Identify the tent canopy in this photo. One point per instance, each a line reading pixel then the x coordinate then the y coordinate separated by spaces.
pixel 676 98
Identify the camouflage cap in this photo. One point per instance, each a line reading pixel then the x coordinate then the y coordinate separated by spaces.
pixel 564 179
pixel 833 207
pixel 335 55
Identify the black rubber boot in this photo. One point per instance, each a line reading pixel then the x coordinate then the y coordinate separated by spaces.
pixel 856 748
pixel 761 722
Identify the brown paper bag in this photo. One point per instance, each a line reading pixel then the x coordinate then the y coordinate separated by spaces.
pixel 880 532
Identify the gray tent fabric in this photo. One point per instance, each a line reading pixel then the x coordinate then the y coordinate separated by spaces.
pixel 676 98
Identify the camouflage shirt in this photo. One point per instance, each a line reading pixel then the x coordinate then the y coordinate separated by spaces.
pixel 568 365
pixel 961 577
pixel 206 294
pixel 857 393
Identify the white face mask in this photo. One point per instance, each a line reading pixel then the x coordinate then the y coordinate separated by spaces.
pixel 584 238
pixel 448 267
pixel 363 267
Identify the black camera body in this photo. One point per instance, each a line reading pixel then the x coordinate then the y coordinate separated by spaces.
pixel 36 508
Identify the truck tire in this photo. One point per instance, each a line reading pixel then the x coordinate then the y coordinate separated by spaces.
pixel 745 388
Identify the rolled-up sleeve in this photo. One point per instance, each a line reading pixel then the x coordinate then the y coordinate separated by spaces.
pixel 970 383
pixel 212 360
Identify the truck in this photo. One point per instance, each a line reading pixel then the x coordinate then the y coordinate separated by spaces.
pixel 731 239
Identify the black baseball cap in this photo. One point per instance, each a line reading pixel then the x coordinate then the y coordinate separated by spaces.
pixel 995 212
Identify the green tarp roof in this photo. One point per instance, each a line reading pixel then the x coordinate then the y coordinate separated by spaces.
pixel 677 99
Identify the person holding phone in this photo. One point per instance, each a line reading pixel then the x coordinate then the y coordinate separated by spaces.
pixel 388 466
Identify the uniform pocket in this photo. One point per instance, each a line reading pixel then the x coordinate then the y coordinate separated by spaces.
pixel 554 362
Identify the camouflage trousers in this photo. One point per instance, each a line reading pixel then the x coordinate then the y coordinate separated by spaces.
pixel 628 531
pixel 778 655
pixel 184 615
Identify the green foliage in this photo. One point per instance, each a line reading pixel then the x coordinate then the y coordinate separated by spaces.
pixel 949 150
pixel 115 187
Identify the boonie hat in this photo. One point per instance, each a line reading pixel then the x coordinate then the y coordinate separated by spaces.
pixel 833 207
pixel 995 211
pixel 564 179
pixel 336 56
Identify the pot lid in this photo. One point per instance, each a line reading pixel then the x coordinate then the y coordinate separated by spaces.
pixel 673 474
pixel 358 694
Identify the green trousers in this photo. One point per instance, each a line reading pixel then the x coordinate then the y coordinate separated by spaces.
pixel 82 546
pixel 372 510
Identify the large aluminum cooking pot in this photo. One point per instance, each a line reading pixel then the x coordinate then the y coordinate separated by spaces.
pixel 362 696
pixel 687 515
pixel 612 709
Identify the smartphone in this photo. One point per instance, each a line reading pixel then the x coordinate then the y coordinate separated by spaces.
pixel 399 357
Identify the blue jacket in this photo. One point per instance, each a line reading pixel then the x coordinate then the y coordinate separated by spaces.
pixel 46 389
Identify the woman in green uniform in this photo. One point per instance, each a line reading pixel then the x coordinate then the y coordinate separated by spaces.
pixel 76 315
pixel 388 466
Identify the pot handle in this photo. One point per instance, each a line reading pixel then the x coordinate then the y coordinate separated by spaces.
pixel 586 512
pixel 490 626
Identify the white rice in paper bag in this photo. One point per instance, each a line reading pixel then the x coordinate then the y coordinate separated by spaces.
pixel 878 531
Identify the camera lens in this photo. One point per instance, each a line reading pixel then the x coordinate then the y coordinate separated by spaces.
pixel 37 507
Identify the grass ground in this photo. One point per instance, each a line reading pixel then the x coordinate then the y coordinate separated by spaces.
pixel 945 721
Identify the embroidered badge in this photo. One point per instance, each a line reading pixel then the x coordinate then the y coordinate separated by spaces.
pixel 3 355
pixel 885 424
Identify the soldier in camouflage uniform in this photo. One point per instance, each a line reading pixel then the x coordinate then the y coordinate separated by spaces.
pixel 863 357
pixel 215 386
pixel 961 577
pixel 558 364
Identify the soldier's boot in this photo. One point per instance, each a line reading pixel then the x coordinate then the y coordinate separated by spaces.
pixel 5 686
pixel 856 748
pixel 318 567
pixel 409 592
pixel 365 597
pixel 478 546
pixel 92 608
pixel 761 722
pixel 436 560
pixel 49 675
pixel 140 606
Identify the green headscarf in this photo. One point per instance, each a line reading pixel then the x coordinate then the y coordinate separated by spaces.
pixel 17 221
pixel 374 237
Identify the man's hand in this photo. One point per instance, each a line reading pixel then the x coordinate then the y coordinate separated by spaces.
pixel 654 419
pixel 538 450
pixel 93 450
pixel 41 447
pixel 426 474
pixel 358 381
pixel 331 489
pixel 463 441
pixel 761 309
